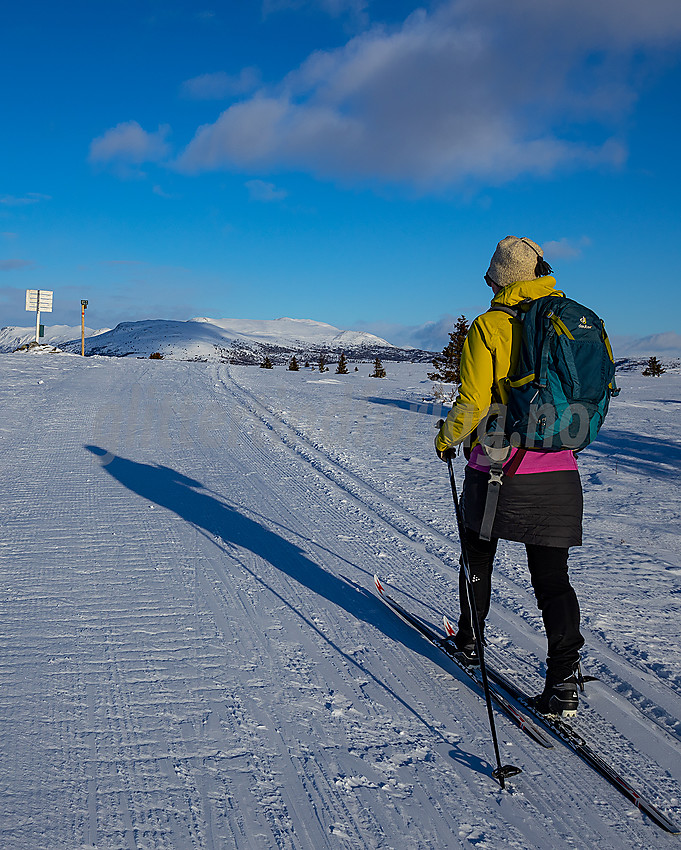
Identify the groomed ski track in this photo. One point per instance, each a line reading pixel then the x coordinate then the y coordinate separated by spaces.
pixel 193 656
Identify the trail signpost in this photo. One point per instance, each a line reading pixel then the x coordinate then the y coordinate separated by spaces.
pixel 39 300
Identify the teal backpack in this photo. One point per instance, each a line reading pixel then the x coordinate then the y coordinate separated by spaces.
pixel 566 376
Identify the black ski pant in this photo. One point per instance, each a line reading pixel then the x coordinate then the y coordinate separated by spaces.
pixel 555 595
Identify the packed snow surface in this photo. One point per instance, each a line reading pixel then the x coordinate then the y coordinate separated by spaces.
pixel 193 655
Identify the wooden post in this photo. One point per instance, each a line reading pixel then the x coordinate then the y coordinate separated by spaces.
pixel 83 305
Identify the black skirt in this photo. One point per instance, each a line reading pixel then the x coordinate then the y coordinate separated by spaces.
pixel 543 508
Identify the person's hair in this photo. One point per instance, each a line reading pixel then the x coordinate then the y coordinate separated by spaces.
pixel 542 268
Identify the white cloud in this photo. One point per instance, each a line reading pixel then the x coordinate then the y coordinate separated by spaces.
pixel 476 89
pixel 260 190
pixel 221 85
pixel 28 198
pixel 128 144
pixel 564 248
pixel 430 336
pixel 158 190
pixel 14 265
pixel 666 344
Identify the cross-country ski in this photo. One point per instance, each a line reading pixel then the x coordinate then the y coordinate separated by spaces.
pixel 510 689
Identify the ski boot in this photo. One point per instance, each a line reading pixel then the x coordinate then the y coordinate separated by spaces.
pixel 559 698
pixel 464 649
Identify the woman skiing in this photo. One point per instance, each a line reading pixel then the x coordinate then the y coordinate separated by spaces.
pixel 540 500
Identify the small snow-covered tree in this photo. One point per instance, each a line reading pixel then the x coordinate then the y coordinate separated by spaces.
pixel 293 365
pixel 342 368
pixel 379 371
pixel 267 364
pixel 448 366
pixel 322 363
pixel 653 368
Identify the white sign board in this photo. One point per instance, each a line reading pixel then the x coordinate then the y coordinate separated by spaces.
pixel 39 299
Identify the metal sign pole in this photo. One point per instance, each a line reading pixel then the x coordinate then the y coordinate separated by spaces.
pixel 37 319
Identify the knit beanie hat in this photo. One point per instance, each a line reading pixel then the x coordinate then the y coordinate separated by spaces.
pixel 517 259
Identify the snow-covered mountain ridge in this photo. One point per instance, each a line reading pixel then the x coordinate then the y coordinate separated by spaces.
pixel 241 341
pixel 295 332
pixel 12 337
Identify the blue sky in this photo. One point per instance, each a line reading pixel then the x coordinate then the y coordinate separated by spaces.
pixel 350 161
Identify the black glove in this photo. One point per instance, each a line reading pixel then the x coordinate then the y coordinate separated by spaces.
pixel 447 453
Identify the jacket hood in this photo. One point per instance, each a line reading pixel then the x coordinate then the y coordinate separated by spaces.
pixel 521 290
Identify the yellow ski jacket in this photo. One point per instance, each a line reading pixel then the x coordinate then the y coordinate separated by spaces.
pixel 490 354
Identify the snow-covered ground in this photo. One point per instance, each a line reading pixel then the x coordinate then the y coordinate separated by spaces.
pixel 193 655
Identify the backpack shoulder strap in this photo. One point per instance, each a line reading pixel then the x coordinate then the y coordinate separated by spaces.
pixel 520 308
pixel 502 308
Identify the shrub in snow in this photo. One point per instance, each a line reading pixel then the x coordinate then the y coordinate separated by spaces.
pixel 379 371
pixel 653 368
pixel 442 393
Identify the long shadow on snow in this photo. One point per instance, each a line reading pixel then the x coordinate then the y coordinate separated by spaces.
pixel 368 572
pixel 427 407
pixel 639 453
pixel 176 492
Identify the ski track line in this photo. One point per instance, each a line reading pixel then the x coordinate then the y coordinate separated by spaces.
pixel 250 637
pixel 343 816
pixel 270 426
pixel 517 600
pixel 305 604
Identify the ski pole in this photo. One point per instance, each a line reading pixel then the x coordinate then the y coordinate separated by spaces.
pixel 502 772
